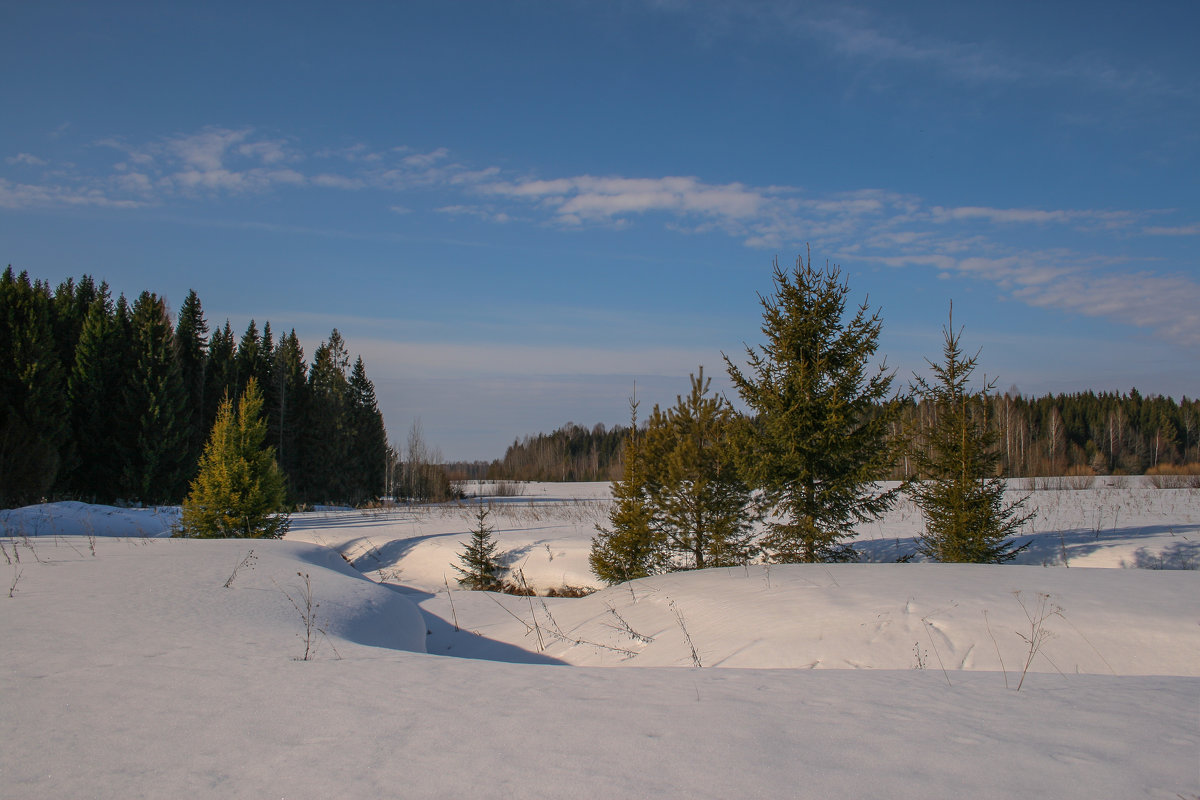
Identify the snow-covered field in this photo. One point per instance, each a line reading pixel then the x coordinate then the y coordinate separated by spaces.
pixel 129 669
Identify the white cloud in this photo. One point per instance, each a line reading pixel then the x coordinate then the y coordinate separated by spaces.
pixel 1169 304
pixel 136 182
pixel 588 198
pixel 267 152
pixel 426 159
pixel 331 181
pixel 18 195
pixel 1104 218
pixel 26 159
pixel 206 151
pixel 1180 230
pixel 1166 304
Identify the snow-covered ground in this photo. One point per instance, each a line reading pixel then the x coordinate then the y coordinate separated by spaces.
pixel 129 669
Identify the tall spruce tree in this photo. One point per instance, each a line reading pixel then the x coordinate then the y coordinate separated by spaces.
pixel 698 501
pixel 289 372
pixel 818 440
pixel 156 406
pixel 191 337
pixel 966 518
pixel 33 409
pixel 629 547
pixel 239 491
pixel 95 387
pixel 326 436
pixel 252 359
pixel 70 306
pixel 220 373
pixel 368 437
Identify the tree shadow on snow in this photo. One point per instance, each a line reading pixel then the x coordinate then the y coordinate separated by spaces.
pixel 443 640
pixel 1056 548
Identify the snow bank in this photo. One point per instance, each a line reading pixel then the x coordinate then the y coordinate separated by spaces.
pixel 135 673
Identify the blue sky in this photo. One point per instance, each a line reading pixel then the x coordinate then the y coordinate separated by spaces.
pixel 514 211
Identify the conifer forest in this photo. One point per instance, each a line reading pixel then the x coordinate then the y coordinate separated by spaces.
pixel 108 401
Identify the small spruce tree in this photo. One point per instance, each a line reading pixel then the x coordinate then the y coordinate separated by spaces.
pixel 628 548
pixel 481 569
pixel 699 502
pixel 240 489
pixel 966 518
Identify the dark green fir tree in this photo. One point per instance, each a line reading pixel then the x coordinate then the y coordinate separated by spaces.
pixel 191 337
pixel 368 437
pixel 326 423
pixel 818 438
pixel 289 372
pixel 33 407
pixel 966 517
pixel 95 387
pixel 698 500
pixel 481 570
pixel 156 405
pixel 628 547
pixel 220 373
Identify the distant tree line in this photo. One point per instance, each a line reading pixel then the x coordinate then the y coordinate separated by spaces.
pixel 107 401
pixel 1053 435
pixel 570 453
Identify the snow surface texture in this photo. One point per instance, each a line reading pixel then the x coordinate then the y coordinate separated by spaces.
pixel 129 669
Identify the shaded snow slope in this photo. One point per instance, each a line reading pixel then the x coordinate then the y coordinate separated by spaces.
pixel 166 600
pixel 71 518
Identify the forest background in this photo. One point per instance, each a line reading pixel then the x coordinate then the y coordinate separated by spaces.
pixel 108 401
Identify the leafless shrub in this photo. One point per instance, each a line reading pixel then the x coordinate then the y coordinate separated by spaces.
pixel 624 627
pixel 920 657
pixel 928 628
pixel 17 572
pixel 1080 477
pixel 997 646
pixel 245 563
pixel 556 632
pixel 307 609
pixel 683 627
pixel 508 489
pixel 1049 483
pixel 1169 476
pixel 1037 614
pixel 450 595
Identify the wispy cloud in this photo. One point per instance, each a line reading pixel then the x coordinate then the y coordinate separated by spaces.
pixel 869 225
pixel 589 199
pixel 859 39
pixel 26 159
pixel 1107 219
pixel 1179 230
pixel 884 40
pixel 20 195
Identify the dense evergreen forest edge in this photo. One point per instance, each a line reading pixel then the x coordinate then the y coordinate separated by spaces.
pixel 109 401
